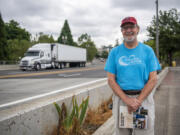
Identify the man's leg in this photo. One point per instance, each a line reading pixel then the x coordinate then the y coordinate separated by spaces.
pixel 116 103
pixel 116 113
pixel 148 104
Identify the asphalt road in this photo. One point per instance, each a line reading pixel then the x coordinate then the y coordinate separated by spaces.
pixel 16 85
pixel 77 72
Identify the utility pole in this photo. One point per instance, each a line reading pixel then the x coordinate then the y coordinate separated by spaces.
pixel 157 30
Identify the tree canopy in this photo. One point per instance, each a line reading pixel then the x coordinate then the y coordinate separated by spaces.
pixel 14 31
pixel 14 41
pixel 44 38
pixel 169 33
pixel 65 35
pixel 85 42
pixel 2 39
pixel 84 38
pixel 16 49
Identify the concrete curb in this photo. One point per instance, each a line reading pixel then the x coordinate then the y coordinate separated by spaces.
pixel 107 128
pixel 9 67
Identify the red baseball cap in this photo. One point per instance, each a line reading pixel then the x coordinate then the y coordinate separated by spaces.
pixel 128 20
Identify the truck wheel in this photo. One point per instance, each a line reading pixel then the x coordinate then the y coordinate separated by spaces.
pixel 65 65
pixel 59 66
pixel 53 65
pixel 38 67
pixel 62 65
pixel 84 64
pixel 70 64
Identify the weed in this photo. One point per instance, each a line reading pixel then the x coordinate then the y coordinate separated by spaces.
pixel 71 123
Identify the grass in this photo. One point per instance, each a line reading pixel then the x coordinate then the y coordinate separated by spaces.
pixel 95 118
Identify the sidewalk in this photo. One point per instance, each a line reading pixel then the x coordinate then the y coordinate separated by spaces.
pixel 167 107
pixel 167 102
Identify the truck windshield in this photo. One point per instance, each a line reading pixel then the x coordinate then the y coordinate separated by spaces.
pixel 32 53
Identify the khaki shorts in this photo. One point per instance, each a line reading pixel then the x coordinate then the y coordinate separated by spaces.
pixel 148 103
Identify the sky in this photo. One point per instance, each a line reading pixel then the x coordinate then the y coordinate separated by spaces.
pixel 100 19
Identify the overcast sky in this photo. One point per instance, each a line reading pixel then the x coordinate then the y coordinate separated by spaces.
pixel 99 18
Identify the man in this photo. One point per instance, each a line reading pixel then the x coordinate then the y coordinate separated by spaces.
pixel 132 74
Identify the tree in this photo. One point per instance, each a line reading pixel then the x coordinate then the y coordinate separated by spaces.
pixel 169 33
pixel 18 40
pixel 84 38
pixel 97 54
pixel 91 50
pixel 104 54
pixel 17 48
pixel 2 40
pixel 43 38
pixel 66 36
pixel 14 31
pixel 85 42
pixel 151 43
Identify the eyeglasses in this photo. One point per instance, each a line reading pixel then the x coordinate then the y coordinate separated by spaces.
pixel 128 27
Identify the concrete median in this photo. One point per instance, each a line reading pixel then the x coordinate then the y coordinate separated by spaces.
pixel 9 67
pixel 38 116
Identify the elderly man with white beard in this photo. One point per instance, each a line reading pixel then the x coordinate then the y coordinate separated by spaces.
pixel 132 74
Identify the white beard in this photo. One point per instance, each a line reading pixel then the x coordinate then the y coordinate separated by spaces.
pixel 127 40
pixel 132 39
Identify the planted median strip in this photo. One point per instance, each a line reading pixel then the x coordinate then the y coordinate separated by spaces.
pixel 71 123
pixel 75 123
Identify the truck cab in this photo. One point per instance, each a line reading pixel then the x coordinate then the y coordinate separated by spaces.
pixel 37 57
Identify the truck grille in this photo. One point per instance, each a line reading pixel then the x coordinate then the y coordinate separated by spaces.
pixel 24 63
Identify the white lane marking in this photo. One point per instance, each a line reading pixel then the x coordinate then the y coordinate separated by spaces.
pixel 65 75
pixel 72 75
pixel 13 73
pixel 50 93
pixel 61 75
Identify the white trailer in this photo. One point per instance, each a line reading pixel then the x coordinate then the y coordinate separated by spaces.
pixel 46 55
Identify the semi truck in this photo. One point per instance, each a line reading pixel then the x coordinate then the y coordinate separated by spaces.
pixel 53 55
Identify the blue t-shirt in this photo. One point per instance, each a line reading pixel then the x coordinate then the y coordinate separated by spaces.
pixel 132 66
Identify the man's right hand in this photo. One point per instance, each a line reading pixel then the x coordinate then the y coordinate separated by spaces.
pixel 132 103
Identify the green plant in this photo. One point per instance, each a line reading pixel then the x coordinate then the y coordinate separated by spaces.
pixel 70 123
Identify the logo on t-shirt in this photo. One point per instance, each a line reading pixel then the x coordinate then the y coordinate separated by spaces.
pixel 131 60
